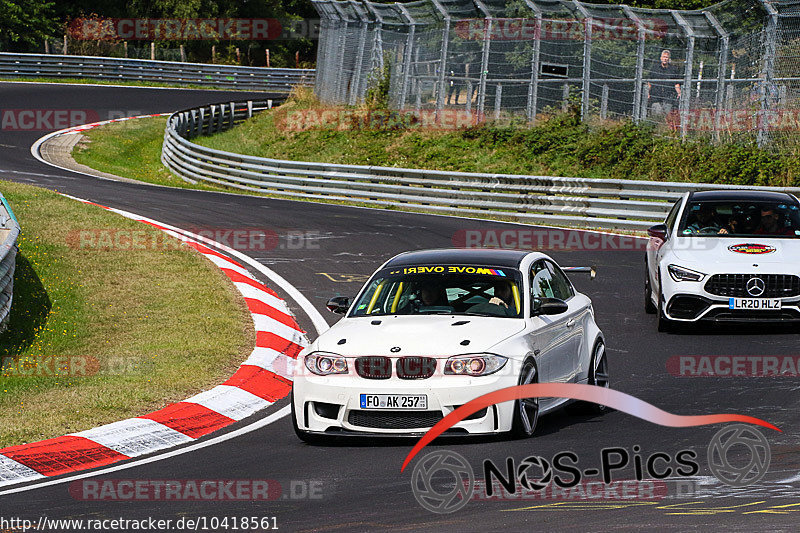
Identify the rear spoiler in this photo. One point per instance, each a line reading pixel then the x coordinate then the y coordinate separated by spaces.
pixel 591 270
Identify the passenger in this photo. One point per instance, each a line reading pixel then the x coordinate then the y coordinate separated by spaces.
pixel 770 223
pixel 737 224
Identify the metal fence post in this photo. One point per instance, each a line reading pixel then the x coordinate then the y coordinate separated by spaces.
pixel 604 102
pixel 498 100
pixel 377 47
pixel 533 86
pixel 719 97
pixel 341 29
pixel 639 76
pixel 768 72
pixel 485 47
pixel 408 52
pixel 587 58
pixel 686 90
pixel 443 61
pixel 322 48
pixel 358 68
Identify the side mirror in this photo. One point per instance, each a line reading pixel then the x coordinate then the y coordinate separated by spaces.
pixel 548 306
pixel 338 305
pixel 659 231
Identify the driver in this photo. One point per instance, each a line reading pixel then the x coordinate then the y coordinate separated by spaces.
pixel 502 295
pixel 706 219
pixel 431 294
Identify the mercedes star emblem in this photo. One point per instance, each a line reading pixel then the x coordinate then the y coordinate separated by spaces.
pixel 755 286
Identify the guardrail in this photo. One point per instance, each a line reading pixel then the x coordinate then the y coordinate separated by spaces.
pixel 13 65
pixel 590 203
pixel 9 230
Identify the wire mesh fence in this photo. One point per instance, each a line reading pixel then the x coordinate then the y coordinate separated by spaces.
pixel 731 70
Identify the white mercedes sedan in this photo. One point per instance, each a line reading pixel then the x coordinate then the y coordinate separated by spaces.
pixel 725 256
pixel 434 329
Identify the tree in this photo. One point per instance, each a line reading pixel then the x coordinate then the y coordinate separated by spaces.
pixel 23 24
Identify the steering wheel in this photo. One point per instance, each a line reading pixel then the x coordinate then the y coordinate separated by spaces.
pixel 709 229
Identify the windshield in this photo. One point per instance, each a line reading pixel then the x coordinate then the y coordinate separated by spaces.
pixel 741 219
pixel 442 289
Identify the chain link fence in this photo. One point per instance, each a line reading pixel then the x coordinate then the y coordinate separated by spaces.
pixel 728 71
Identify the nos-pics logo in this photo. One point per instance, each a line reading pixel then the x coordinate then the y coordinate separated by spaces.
pixel 443 481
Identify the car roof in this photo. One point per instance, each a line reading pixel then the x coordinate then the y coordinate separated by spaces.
pixel 460 256
pixel 742 195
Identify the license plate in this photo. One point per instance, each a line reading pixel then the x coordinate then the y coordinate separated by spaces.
pixel 755 304
pixel 394 401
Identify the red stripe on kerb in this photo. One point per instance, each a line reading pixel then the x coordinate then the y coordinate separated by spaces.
pixel 238 277
pixel 63 454
pixel 98 205
pixel 206 250
pixel 262 383
pixel 191 419
pixel 260 308
pixel 266 339
pixel 197 246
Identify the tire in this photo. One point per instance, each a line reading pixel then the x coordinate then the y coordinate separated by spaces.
pixel 598 376
pixel 526 410
pixel 649 306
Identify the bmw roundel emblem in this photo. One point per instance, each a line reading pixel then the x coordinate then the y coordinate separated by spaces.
pixel 395 349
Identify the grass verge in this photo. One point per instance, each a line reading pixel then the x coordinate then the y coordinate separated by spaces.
pixel 558 145
pixel 135 326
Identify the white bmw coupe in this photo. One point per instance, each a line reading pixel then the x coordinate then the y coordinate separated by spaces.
pixel 434 329
pixel 731 255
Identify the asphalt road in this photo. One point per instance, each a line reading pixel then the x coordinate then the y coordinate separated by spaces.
pixel 326 250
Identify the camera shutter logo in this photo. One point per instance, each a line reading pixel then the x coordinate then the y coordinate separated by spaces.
pixel 739 435
pixel 538 462
pixel 452 495
pixel 755 286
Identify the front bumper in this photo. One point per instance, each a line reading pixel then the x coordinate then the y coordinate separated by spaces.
pixel 331 405
pixel 694 308
pixel 688 301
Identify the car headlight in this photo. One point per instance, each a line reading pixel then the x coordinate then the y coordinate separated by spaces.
pixel 324 364
pixel 478 364
pixel 684 274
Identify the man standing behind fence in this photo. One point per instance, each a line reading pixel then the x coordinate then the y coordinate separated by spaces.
pixel 664 94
